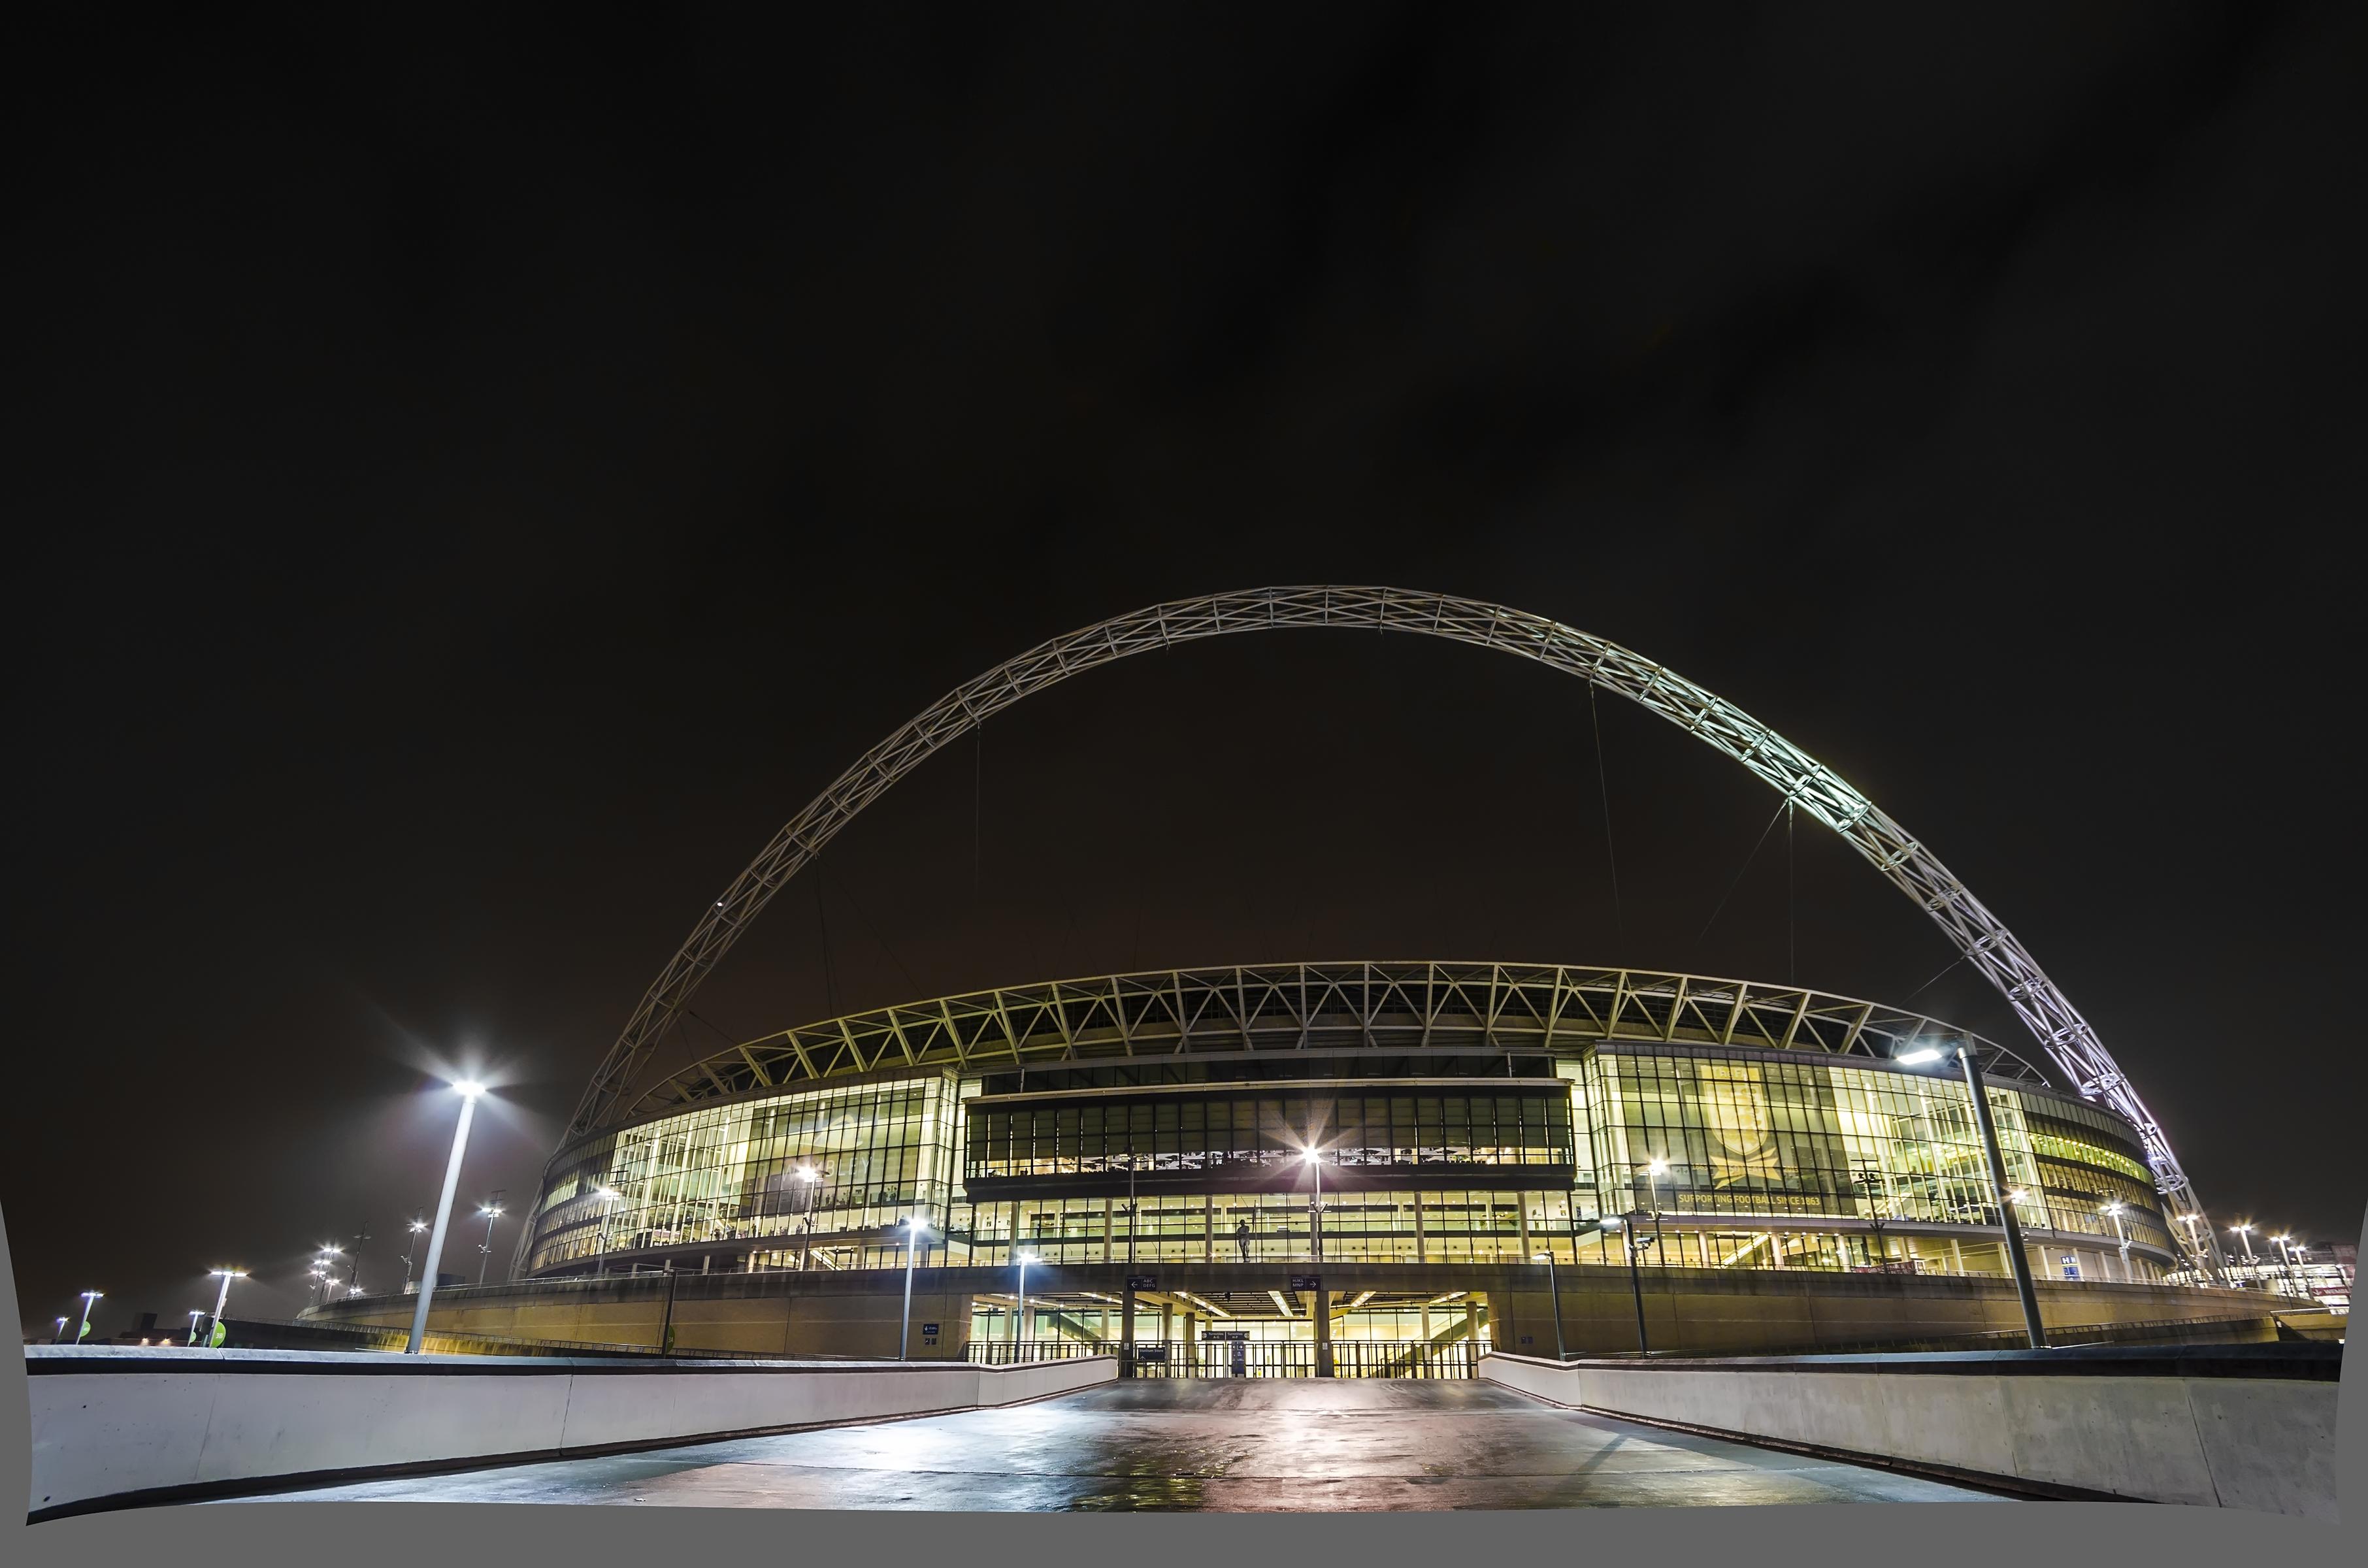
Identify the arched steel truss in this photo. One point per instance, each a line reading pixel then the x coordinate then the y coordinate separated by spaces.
pixel 1980 937
pixel 1331 1009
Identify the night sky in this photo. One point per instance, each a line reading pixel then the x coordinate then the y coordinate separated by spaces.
pixel 477 477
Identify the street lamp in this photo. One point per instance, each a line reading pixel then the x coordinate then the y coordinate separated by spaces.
pixel 418 1227
pixel 88 1297
pixel 216 1335
pixel 195 1314
pixel 469 1092
pixel 2285 1253
pixel 1314 1160
pixel 811 1180
pixel 492 1211
pixel 608 1197
pixel 1553 1295
pixel 1654 1169
pixel 914 1228
pixel 1627 1226
pixel 60 1336
pixel 1019 1318
pixel 2195 1244
pixel 2113 1210
pixel 2252 1272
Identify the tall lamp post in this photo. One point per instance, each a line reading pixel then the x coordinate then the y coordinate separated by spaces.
pixel 87 1298
pixel 2113 1212
pixel 810 1185
pixel 353 1264
pixel 195 1314
pixel 1654 1169
pixel 1554 1297
pixel 418 1227
pixel 492 1211
pixel 469 1092
pixel 1019 1318
pixel 1630 1226
pixel 1314 1160
pixel 608 1197
pixel 215 1335
pixel 2252 1269
pixel 2285 1253
pixel 2195 1244
pixel 915 1227
pixel 2008 1222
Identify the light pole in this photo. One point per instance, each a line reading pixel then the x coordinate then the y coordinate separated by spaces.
pixel 2287 1254
pixel 221 1300
pixel 810 1180
pixel 2008 1222
pixel 2252 1272
pixel 87 1298
pixel 354 1265
pixel 1019 1318
pixel 1654 1170
pixel 1627 1224
pixel 418 1227
pixel 492 1211
pixel 1553 1296
pixel 2195 1244
pixel 469 1091
pixel 60 1336
pixel 1314 1159
pixel 328 1271
pixel 195 1314
pixel 2113 1210
pixel 914 1227
pixel 608 1197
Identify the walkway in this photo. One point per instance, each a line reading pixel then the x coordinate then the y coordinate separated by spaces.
pixel 1245 1446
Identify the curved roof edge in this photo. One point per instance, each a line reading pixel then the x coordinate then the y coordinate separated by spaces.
pixel 1277 1009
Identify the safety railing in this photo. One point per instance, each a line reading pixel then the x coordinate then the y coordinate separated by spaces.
pixel 1215 1357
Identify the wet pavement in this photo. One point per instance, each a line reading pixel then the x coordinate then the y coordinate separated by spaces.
pixel 1226 1445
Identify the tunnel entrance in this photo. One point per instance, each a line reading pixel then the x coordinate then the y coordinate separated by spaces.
pixel 1245 1334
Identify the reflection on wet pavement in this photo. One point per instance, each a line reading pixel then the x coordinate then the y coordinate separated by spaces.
pixel 1247 1445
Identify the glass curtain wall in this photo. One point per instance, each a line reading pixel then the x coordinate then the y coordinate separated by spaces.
pixel 1753 1138
pixel 878 1153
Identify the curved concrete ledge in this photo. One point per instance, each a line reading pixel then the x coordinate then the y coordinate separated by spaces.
pixel 2213 1427
pixel 123 1427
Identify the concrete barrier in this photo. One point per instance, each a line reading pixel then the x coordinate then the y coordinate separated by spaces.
pixel 121 1427
pixel 2239 1427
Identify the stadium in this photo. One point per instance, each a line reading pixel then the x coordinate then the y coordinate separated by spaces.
pixel 1452 1114
pixel 1364 1163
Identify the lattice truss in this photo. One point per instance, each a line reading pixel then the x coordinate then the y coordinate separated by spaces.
pixel 1984 941
pixel 1387 1008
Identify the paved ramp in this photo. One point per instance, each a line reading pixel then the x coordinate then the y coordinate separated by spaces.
pixel 1248 1445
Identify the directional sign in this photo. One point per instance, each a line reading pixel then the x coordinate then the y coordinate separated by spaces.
pixel 1233 1333
pixel 1142 1281
pixel 1307 1281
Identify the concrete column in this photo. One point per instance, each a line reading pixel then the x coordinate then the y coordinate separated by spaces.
pixel 1126 1330
pixel 1323 1311
pixel 1523 1200
pixel 1209 1229
pixel 1110 1208
pixel 1419 1247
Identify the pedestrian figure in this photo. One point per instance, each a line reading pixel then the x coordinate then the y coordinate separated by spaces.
pixel 1241 1239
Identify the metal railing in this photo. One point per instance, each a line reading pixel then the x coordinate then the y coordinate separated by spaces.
pixel 1254 1358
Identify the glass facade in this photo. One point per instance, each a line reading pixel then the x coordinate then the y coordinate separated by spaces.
pixel 1768 1159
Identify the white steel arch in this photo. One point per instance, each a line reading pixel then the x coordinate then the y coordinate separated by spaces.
pixel 1979 935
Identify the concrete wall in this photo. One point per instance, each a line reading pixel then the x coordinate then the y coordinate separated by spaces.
pixel 116 1426
pixel 1712 1312
pixel 2218 1440
pixel 1698 1310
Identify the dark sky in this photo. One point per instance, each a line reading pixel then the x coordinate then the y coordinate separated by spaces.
pixel 483 474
